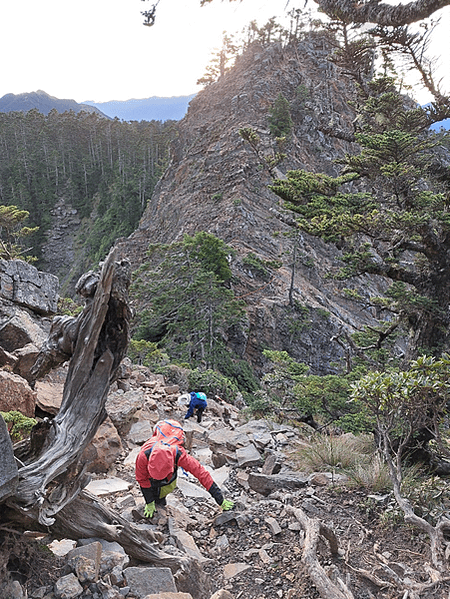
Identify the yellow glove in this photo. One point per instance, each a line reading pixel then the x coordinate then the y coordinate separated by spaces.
pixel 227 504
pixel 149 509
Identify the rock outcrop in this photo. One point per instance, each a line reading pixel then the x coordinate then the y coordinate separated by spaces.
pixel 28 298
pixel 215 183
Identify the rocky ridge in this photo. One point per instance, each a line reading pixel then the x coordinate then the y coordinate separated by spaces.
pixel 215 183
pixel 254 551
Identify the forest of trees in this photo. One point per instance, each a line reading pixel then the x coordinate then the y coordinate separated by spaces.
pixel 88 160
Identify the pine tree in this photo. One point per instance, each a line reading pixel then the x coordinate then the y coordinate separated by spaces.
pixel 280 120
pixel 399 227
pixel 189 305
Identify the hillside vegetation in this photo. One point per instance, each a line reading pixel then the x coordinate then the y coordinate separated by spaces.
pixel 105 169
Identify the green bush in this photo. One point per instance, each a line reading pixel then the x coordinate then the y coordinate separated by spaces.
pixel 280 121
pixel 147 353
pixel 18 425
pixel 213 383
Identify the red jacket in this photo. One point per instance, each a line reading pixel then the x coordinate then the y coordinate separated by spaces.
pixel 171 456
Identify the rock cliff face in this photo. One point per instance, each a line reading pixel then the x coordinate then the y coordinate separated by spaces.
pixel 215 183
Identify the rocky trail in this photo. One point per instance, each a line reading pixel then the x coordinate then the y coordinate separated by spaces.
pixel 259 550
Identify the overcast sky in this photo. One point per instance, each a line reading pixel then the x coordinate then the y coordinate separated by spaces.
pixel 99 50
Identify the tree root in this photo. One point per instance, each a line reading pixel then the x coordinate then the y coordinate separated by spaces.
pixel 313 529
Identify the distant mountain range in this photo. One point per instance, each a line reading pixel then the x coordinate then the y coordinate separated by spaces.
pixel 147 109
pixel 43 102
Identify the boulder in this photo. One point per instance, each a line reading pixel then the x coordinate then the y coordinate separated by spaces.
pixel 266 484
pixel 122 406
pixel 50 390
pixel 185 542
pixel 16 394
pixel 248 456
pixel 85 561
pixel 24 284
pixel 272 464
pixel 25 357
pixel 68 587
pixel 147 581
pixel 104 449
pixel 19 327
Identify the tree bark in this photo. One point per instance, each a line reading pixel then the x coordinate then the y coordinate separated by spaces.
pixel 98 340
pixel 381 14
pixel 50 494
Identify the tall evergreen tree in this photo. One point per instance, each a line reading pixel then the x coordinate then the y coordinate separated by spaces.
pixel 189 306
pixel 400 226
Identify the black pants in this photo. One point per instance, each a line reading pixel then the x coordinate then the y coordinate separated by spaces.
pixel 200 414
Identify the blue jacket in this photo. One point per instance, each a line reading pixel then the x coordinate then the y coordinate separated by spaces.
pixel 198 400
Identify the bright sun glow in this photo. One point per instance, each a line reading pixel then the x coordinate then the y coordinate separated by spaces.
pixel 99 50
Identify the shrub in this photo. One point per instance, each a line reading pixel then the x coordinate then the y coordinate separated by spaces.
pixel 373 476
pixel 146 353
pixel 213 383
pixel 331 453
pixel 19 426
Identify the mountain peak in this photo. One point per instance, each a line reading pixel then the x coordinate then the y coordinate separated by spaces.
pixel 42 101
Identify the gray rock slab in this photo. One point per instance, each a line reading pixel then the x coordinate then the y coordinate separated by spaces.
pixel 24 284
pixel 248 456
pixel 68 587
pixel 191 489
pixel 8 467
pixel 227 438
pixel 262 440
pixel 145 581
pixel 107 486
pixel 130 460
pixel 225 517
pixel 186 542
pixel 220 475
pixel 272 464
pixel 266 484
pixel 231 570
pixel 140 432
pixel 85 561
pixel 254 427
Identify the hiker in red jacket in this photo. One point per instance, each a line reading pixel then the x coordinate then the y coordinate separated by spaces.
pixel 157 464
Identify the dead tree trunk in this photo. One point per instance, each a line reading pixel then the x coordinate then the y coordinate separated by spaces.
pixel 98 340
pixel 50 486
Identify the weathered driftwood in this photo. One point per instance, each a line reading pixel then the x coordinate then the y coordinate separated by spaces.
pixel 86 517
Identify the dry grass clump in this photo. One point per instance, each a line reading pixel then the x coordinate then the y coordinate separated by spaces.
pixel 354 456
pixel 327 452
pixel 373 476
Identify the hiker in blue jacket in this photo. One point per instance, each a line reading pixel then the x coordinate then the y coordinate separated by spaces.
pixel 197 404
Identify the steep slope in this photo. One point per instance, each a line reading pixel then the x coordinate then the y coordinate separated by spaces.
pixel 215 183
pixel 43 102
